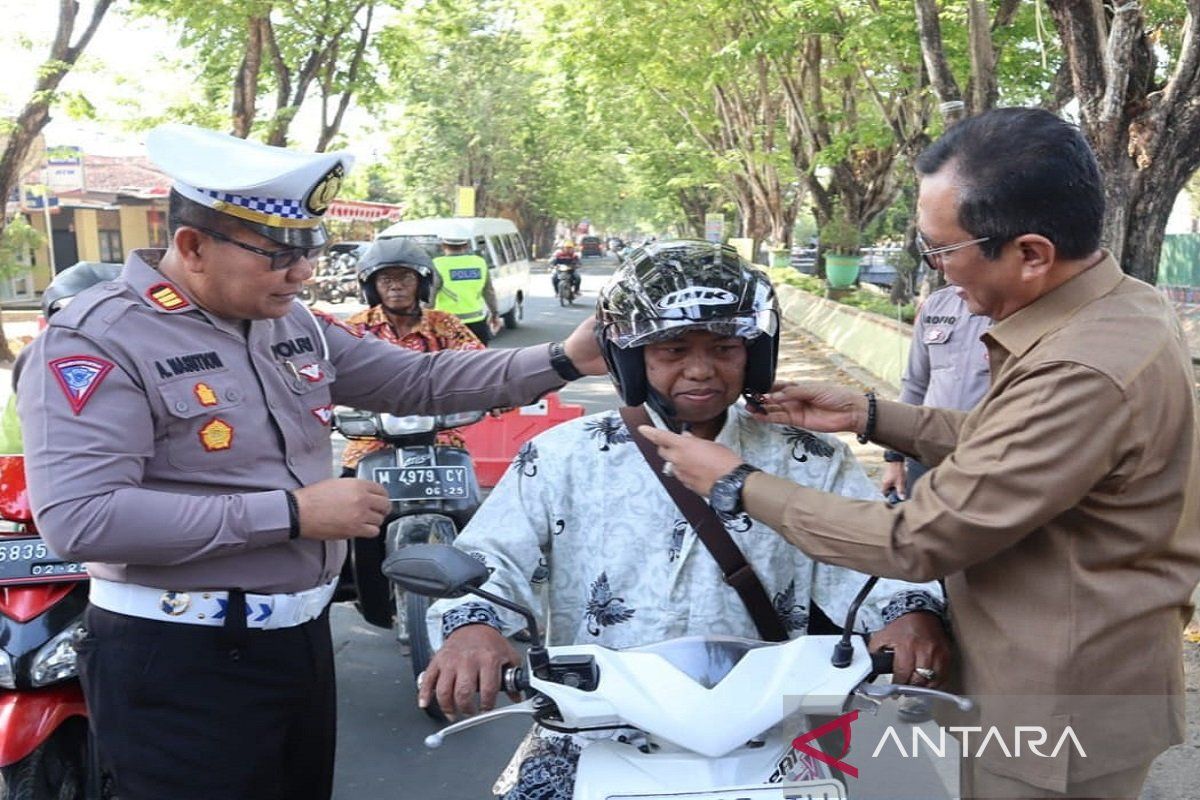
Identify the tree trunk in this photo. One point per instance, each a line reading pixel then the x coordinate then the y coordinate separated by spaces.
pixel 1142 131
pixel 245 84
pixel 36 113
pixel 330 128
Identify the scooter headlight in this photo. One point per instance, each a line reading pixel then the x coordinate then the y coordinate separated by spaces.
pixel 56 660
pixel 401 426
pixel 8 678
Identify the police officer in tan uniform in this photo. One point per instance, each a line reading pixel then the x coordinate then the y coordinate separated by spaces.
pixel 176 426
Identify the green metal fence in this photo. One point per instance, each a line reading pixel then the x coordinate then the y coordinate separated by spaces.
pixel 1179 265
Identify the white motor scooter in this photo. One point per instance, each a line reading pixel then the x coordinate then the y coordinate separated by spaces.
pixel 702 717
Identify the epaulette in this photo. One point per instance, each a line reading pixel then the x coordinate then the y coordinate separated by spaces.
pixel 100 304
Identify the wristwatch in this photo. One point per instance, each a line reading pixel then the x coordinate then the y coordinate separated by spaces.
pixel 726 494
pixel 562 363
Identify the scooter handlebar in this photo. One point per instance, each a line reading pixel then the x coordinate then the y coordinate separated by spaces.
pixel 881 662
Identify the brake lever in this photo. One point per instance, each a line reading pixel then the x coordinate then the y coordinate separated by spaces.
pixel 527 707
pixel 875 691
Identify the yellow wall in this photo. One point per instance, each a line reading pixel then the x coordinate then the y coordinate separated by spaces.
pixel 135 232
pixel 41 257
pixel 87 234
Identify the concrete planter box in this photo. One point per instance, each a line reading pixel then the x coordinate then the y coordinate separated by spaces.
pixel 877 344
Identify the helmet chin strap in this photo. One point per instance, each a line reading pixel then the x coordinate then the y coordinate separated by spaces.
pixel 666 410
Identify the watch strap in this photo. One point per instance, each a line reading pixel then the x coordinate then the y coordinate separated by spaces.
pixel 562 364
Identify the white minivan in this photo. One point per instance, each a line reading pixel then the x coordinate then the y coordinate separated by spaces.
pixel 496 240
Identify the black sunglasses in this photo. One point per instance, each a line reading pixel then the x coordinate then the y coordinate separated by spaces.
pixel 283 258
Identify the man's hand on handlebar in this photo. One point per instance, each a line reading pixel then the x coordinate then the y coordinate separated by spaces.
pixel 919 640
pixel 470 662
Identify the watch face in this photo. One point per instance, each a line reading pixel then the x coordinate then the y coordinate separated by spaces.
pixel 725 495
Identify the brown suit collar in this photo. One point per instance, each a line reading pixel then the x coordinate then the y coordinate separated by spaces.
pixel 1021 331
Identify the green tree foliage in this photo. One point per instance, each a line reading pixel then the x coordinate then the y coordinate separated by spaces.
pixel 480 110
pixel 262 60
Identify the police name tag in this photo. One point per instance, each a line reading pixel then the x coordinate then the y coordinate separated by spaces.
pixel 423 483
pixel 29 560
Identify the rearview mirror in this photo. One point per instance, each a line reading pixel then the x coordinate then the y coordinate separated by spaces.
pixel 434 570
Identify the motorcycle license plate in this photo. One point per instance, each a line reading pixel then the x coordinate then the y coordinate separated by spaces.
pixel 29 560
pixel 804 790
pixel 423 483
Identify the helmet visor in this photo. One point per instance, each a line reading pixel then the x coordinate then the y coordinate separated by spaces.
pixel 625 333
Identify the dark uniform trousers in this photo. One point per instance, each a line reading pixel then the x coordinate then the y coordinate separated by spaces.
pixel 243 716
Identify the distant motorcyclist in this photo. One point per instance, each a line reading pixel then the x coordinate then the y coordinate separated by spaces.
pixel 565 255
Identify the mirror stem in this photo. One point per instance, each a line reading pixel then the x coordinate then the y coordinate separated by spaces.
pixel 538 658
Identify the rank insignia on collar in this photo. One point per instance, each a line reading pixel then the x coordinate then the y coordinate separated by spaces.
pixel 79 377
pixel 217 434
pixel 324 413
pixel 311 372
pixel 205 394
pixel 167 297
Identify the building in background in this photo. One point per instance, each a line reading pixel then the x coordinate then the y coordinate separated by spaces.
pixel 101 207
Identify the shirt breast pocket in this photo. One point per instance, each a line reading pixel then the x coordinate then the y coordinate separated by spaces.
pixel 203 415
pixel 938 341
pixel 311 385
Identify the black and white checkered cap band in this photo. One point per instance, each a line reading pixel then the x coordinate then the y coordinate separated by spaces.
pixel 288 209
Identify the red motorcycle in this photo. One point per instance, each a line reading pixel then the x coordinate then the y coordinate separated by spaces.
pixel 45 748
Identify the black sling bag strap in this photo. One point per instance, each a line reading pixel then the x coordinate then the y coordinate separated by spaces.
pixel 738 574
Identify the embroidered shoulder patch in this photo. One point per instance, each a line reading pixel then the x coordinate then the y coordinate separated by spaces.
pixel 217 434
pixel 167 297
pixel 330 319
pixel 79 377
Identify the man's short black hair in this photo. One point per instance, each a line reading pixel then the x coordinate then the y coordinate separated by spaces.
pixel 1023 170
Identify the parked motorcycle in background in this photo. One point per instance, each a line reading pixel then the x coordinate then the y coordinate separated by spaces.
pixel 45 747
pixel 434 492
pixel 335 278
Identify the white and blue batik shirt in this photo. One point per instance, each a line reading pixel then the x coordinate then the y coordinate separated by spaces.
pixel 582 522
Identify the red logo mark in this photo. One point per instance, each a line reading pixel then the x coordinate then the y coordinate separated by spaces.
pixel 801 743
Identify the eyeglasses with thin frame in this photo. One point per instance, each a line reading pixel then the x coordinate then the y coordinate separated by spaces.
pixel 282 258
pixel 405 278
pixel 932 256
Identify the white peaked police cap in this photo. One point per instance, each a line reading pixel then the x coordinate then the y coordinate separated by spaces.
pixel 282 194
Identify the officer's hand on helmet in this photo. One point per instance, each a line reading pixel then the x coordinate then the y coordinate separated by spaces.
pixel 824 407
pixel 470 662
pixel 584 350
pixel 341 508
